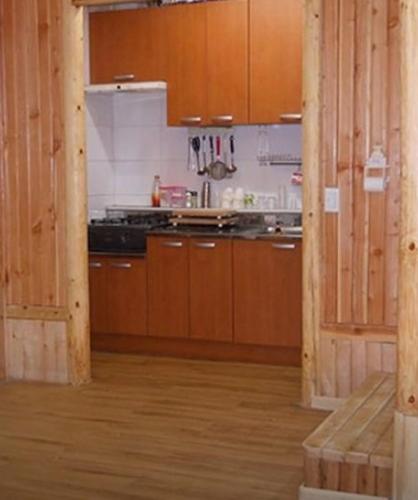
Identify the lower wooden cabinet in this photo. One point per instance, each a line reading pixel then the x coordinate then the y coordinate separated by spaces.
pixel 211 289
pixel 243 293
pixel 168 286
pixel 118 295
pixel 98 292
pixel 268 292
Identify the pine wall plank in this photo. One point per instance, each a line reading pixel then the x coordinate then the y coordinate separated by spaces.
pixel 360 244
pixel 33 183
pixel 34 166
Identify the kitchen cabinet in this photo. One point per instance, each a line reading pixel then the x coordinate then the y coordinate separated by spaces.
pixel 268 292
pixel 97 293
pixel 127 296
pixel 168 286
pixel 211 289
pixel 118 295
pixel 227 62
pixel 186 67
pixel 128 45
pixel 275 60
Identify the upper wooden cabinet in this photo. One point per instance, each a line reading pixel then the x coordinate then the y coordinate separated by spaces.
pixel 275 60
pixel 128 45
pixel 227 61
pixel 186 65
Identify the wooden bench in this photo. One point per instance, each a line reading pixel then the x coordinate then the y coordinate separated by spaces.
pixel 351 451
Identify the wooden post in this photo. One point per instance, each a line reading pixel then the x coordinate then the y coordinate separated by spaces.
pixel 76 195
pixel 2 166
pixel 311 196
pixel 406 418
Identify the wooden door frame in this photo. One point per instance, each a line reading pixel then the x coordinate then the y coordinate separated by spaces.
pixel 312 39
pixel 2 194
pixel 78 325
pixel 405 483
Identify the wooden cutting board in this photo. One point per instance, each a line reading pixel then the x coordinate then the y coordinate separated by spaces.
pixel 203 221
pixel 216 213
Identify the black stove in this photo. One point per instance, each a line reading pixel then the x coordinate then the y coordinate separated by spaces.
pixel 123 234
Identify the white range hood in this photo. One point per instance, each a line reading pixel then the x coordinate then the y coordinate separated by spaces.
pixel 137 87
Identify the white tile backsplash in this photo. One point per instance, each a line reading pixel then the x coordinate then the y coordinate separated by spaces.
pixel 128 142
pixel 100 177
pixel 137 143
pixel 132 177
pixel 133 110
pixel 99 143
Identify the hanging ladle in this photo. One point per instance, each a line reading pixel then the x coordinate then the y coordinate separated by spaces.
pixel 231 168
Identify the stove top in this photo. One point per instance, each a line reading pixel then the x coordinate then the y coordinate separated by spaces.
pixel 145 220
pixel 123 234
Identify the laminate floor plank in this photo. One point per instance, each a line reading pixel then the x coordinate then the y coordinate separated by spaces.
pixel 156 429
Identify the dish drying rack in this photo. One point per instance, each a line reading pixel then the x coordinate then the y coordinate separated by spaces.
pixel 264 154
pixel 279 159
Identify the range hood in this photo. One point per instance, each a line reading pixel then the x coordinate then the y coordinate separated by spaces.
pixel 137 87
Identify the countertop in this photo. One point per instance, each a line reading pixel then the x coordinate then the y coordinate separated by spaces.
pixel 142 208
pixel 234 233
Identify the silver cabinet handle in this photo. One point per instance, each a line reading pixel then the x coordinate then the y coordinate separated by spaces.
pixel 283 246
pixel 191 120
pixel 95 264
pixel 291 117
pixel 205 245
pixel 124 78
pixel 172 244
pixel 121 265
pixel 223 118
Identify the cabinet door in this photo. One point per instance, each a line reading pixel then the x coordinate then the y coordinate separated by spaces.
pixel 127 296
pixel 275 60
pixel 211 289
pixel 127 45
pixel 97 293
pixel 268 292
pixel 168 286
pixel 227 56
pixel 186 62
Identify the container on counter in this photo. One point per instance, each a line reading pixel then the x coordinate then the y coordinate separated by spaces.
pixel 206 195
pixel 173 196
pixel 156 193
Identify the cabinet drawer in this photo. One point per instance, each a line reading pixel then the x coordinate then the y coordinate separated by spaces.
pixel 268 292
pixel 211 289
pixel 168 286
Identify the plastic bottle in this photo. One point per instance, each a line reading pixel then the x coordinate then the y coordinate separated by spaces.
pixel 155 196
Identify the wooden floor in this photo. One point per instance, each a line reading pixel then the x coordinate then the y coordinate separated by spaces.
pixel 152 428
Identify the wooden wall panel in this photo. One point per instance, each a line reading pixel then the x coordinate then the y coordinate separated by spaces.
pixel 37 350
pixel 43 238
pixel 360 109
pixel 2 246
pixel 34 172
pixel 346 361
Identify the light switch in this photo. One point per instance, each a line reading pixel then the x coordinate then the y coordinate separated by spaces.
pixel 332 200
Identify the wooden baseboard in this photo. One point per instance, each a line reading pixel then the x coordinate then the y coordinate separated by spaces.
pixel 326 403
pixel 317 494
pixel 42 313
pixel 196 349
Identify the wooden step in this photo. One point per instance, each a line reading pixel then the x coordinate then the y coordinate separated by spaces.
pixel 351 451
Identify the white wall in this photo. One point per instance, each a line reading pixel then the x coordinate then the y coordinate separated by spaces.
pixel 128 143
